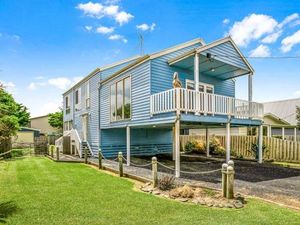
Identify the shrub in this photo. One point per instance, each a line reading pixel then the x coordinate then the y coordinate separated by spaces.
pixel 183 192
pixel 196 146
pixel 220 151
pixel 166 183
pixel 254 150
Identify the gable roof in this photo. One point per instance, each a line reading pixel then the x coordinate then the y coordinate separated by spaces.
pixel 210 46
pixel 98 69
pixel 283 109
pixel 278 119
pixel 153 56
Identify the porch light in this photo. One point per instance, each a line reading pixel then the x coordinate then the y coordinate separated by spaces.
pixel 153 126
pixel 212 69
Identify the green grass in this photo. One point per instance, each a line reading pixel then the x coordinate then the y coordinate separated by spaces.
pixel 45 192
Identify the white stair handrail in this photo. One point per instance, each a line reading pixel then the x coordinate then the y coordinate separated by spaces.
pixel 90 149
pixel 75 136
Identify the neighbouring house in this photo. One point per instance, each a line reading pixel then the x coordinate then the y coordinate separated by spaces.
pixel 131 106
pixel 41 123
pixel 25 137
pixel 280 118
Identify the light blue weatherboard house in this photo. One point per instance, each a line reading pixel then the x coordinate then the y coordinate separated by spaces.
pixel 132 106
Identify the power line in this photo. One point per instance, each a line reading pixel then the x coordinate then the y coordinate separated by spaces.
pixel 256 57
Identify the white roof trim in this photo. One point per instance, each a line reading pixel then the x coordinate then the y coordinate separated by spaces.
pixel 101 69
pixel 222 41
pixel 176 47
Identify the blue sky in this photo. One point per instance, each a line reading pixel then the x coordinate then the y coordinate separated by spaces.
pixel 46 46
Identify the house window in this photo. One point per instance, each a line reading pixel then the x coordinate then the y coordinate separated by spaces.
pixel 120 100
pixel 67 105
pixel 203 87
pixel 76 96
pixel 87 95
pixel 77 99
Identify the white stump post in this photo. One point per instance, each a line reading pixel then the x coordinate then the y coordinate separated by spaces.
pixel 128 145
pixel 207 142
pixel 154 172
pixel 260 144
pixel 227 142
pixel 177 148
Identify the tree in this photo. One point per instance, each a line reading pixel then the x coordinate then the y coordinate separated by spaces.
pixel 298 115
pixel 56 120
pixel 12 116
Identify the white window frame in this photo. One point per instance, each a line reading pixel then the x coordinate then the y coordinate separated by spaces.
pixel 205 85
pixel 115 83
pixel 87 95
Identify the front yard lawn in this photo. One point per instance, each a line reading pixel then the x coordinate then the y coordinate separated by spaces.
pixel 46 192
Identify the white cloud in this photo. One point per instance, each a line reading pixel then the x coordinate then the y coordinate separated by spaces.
pixel 288 42
pixel 115 37
pixel 295 23
pixel 145 27
pixel 111 10
pixel 252 27
pixel 104 30
pixel 123 17
pixel 32 86
pixel 288 19
pixel 9 86
pixel 39 77
pixel 297 93
pixel 91 9
pixel 50 107
pixel 226 21
pixel 271 38
pixel 99 10
pixel 60 82
pixel 88 28
pixel 260 51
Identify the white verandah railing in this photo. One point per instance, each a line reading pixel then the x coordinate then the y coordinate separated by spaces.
pixel 187 100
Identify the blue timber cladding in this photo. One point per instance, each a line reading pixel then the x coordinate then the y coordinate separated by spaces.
pixel 93 119
pixel 226 53
pixel 162 73
pixel 108 72
pixel 144 141
pixel 140 96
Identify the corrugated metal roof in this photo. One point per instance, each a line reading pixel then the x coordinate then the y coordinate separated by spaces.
pixel 284 109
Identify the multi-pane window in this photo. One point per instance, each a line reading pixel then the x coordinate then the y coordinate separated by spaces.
pixel 203 87
pixel 120 100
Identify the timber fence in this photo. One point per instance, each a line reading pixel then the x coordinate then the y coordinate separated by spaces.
pixel 274 148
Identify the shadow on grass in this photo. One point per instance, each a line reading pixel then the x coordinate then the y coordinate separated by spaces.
pixel 7 209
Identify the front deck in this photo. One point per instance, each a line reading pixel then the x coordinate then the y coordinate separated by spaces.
pixel 201 103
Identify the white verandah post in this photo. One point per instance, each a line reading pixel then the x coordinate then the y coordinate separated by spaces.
pixel 207 142
pixel 227 141
pixel 260 144
pixel 250 93
pixel 176 134
pixel 283 133
pixel 196 79
pixel 128 145
pixel 295 134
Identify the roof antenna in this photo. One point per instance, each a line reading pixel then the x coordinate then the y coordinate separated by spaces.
pixel 141 43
